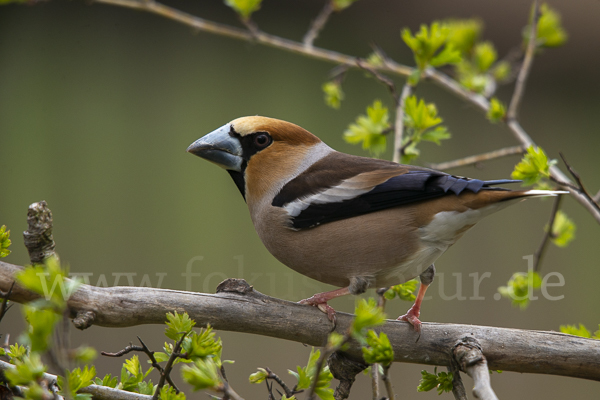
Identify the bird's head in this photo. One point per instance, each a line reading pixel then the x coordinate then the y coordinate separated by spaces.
pixel 259 153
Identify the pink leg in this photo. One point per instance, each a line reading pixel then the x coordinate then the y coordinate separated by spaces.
pixel 412 315
pixel 320 300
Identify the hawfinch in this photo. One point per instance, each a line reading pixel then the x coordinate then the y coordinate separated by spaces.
pixel 349 221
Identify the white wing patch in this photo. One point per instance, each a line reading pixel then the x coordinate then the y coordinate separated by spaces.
pixel 346 190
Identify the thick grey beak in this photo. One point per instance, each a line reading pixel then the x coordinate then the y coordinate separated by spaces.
pixel 220 148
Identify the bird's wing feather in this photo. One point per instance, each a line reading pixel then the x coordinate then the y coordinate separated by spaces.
pixel 341 186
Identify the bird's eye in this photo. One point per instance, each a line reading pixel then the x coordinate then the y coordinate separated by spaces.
pixel 261 140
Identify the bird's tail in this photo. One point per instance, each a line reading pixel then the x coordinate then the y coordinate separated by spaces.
pixel 522 194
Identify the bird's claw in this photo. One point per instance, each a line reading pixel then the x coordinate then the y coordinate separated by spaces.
pixel 318 302
pixel 412 317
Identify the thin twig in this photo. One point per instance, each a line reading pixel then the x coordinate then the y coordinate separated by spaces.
pixel 240 34
pixel 5 306
pixel 537 257
pixel 458 389
pixel 555 173
pixel 461 162
pixel 229 393
pixel 126 350
pixel 156 365
pixel 288 392
pixel 526 67
pixel 318 24
pixel 381 78
pixel 577 178
pixel 375 381
pixel 167 370
pixel 399 124
pixel 326 351
pixel 388 383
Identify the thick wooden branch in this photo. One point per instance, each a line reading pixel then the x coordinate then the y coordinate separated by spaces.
pixel 237 307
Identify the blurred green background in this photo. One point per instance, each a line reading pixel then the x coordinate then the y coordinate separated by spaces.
pixel 98 104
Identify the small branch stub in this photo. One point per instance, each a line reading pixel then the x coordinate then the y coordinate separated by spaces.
pixel 84 319
pixel 38 236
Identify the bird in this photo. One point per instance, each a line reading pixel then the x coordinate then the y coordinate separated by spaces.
pixel 349 221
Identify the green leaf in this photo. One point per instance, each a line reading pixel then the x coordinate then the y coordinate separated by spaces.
pixel 484 56
pixel 160 356
pixel 132 374
pixel 50 281
pixel 339 5
pixel 404 291
pixel 533 167
pixel 27 370
pixel 368 315
pixel 501 71
pixel 442 381
pixel 85 354
pixel 244 8
pixel 178 325
pixel 202 344
pixel 4 241
pixel 369 129
pixel 447 56
pixel 16 352
pixel 146 388
pixel 563 230
pixel 41 326
pixel 497 110
pixel 259 376
pixel 77 379
pixel 375 59
pixel 520 286
pixel 419 115
pixel 550 32
pixel 575 331
pixel 168 393
pixel 378 350
pixel 436 134
pixel 108 380
pixel 426 43
pixel 333 94
pixel 428 381
pixel 336 341
pixel 202 374
pixel 445 382
pixel 307 374
pixel 463 33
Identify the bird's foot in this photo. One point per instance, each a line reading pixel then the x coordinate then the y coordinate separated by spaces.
pixel 412 317
pixel 320 302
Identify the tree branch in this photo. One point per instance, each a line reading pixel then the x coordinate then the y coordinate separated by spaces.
pixel 399 124
pixel 458 389
pixel 318 24
pixel 242 309
pixel 526 67
pixel 461 162
pixel 537 257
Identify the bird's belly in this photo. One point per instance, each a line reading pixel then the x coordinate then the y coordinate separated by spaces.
pixel 380 247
